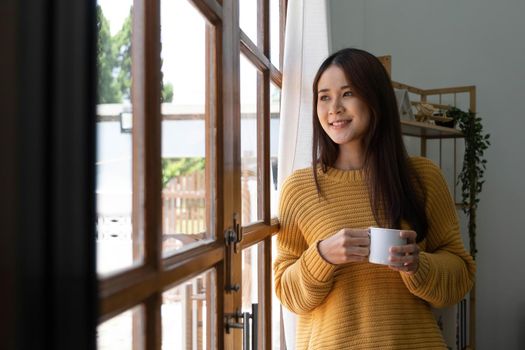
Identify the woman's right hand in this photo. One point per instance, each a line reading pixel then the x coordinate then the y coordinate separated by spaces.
pixel 347 245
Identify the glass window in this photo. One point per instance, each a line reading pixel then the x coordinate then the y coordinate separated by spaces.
pixel 190 73
pixel 117 248
pixel 249 132
pixel 122 331
pixel 275 37
pixel 250 277
pixel 248 18
pixel 251 293
pixel 188 312
pixel 275 119
pixel 184 123
pixel 276 305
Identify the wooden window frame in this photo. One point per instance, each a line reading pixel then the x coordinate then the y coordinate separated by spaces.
pixel 145 284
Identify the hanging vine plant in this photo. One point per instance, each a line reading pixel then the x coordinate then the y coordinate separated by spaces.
pixel 474 166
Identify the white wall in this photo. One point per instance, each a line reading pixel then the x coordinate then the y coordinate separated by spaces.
pixel 347 23
pixel 468 42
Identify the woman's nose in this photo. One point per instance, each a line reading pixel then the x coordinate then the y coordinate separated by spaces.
pixel 336 107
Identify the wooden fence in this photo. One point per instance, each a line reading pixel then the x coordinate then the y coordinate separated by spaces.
pixel 184 205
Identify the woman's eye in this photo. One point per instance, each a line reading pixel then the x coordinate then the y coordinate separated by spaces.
pixel 323 98
pixel 348 93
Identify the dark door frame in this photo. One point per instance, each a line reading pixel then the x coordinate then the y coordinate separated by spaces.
pixel 47 147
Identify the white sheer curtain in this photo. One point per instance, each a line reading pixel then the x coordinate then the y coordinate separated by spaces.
pixel 306 46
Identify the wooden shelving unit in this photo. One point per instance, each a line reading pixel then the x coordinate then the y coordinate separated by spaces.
pixel 428 131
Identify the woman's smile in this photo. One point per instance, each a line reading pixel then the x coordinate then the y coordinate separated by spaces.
pixel 339 124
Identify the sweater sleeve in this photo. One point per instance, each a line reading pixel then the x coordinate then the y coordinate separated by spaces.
pixel 302 277
pixel 446 271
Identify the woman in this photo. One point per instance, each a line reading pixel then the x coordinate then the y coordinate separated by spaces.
pixel 361 176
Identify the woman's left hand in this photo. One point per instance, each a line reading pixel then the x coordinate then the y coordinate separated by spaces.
pixel 406 255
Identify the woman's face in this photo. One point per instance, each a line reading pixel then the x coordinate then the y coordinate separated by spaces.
pixel 343 116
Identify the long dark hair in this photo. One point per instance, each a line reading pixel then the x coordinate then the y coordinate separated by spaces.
pixel 394 187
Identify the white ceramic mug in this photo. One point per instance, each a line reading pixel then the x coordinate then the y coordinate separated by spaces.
pixel 381 239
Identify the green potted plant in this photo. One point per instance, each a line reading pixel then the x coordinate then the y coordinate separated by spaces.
pixel 474 165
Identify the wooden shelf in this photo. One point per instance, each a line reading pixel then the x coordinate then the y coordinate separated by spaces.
pixel 427 130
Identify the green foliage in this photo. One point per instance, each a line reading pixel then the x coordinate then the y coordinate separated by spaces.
pixel 122 47
pixel 179 167
pixel 107 89
pixel 114 62
pixel 474 166
pixel 167 92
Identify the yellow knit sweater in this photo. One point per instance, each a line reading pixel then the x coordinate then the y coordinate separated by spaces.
pixel 363 305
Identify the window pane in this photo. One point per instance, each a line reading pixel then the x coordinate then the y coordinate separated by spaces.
pixel 275 118
pixel 184 124
pixel 122 331
pixel 276 305
pixel 250 284
pixel 188 314
pixel 248 141
pixel 248 18
pixel 275 38
pixel 116 246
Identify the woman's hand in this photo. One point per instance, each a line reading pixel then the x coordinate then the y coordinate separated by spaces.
pixel 406 255
pixel 347 245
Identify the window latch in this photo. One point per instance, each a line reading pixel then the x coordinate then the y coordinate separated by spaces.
pixel 232 239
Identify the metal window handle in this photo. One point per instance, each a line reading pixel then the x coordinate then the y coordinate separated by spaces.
pixel 237 246
pixel 238 234
pixel 254 316
pixel 232 239
pixel 246 330
pixel 255 325
pixel 232 321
